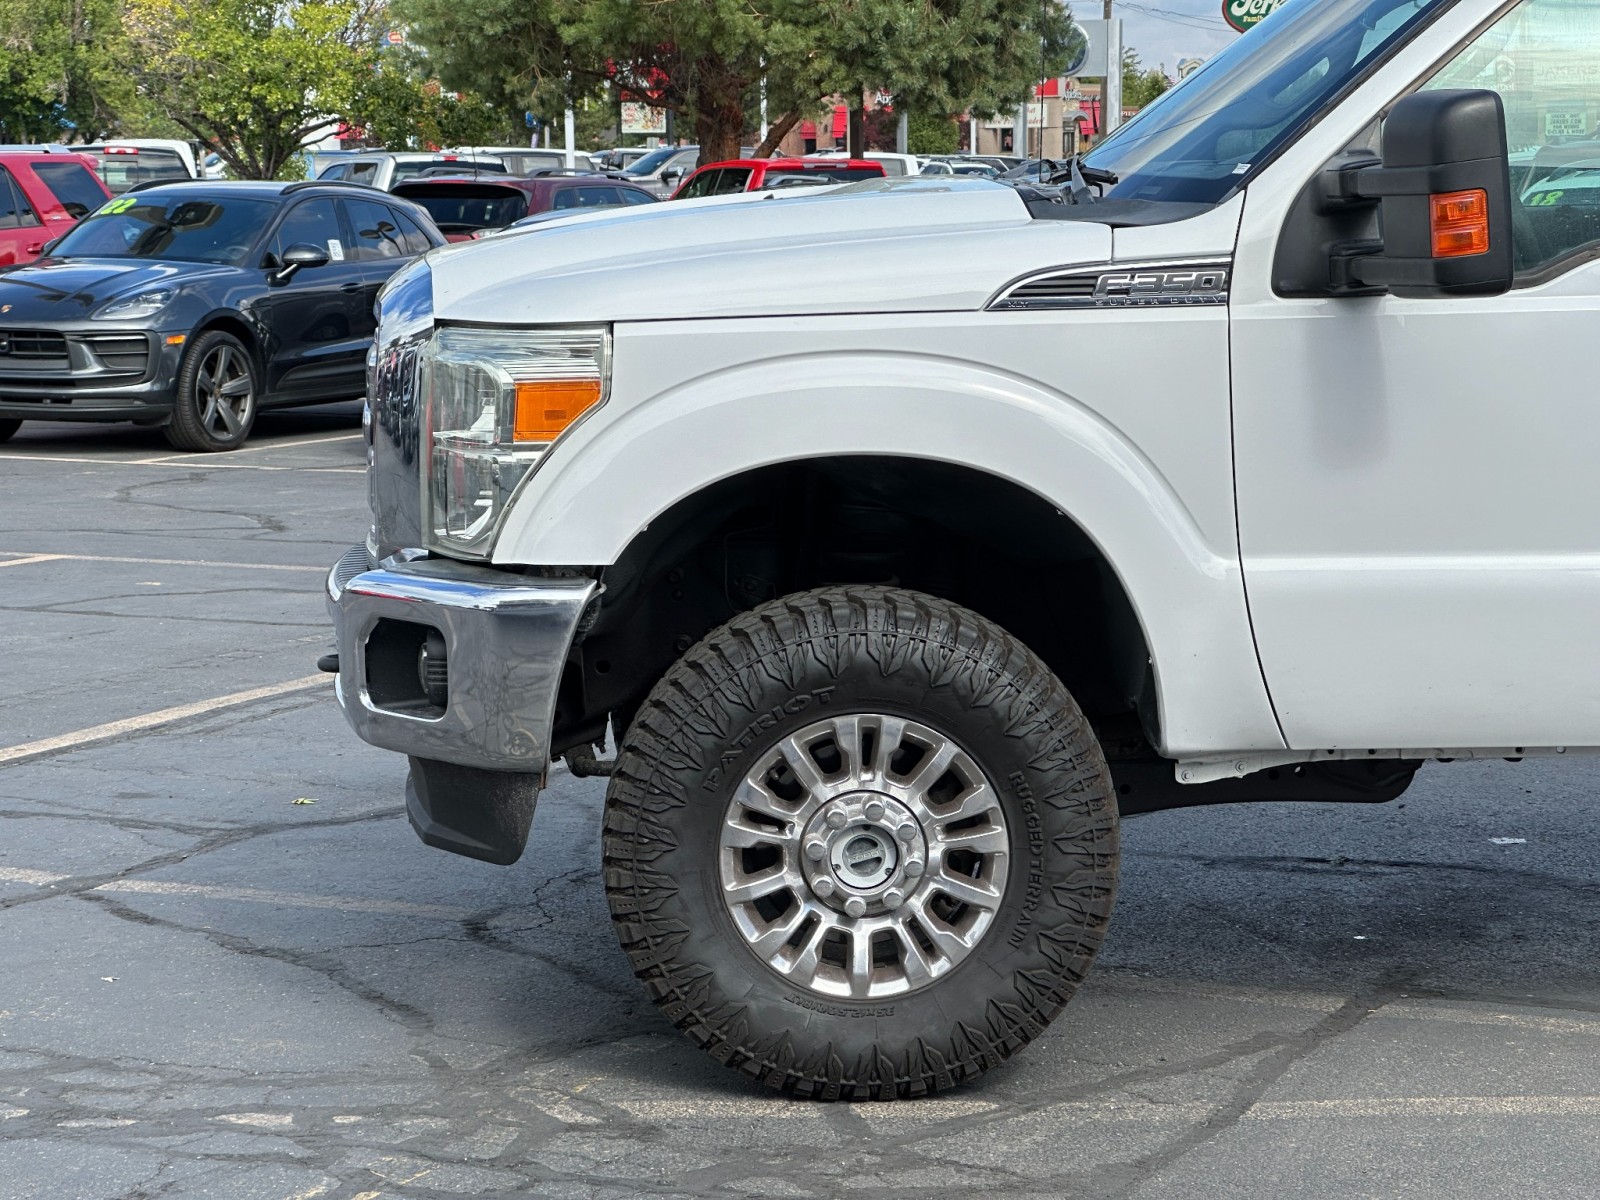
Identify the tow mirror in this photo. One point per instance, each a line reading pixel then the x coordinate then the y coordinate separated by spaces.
pixel 671 175
pixel 1443 190
pixel 299 257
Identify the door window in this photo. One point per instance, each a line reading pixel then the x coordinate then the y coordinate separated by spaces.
pixel 377 236
pixel 1543 58
pixel 73 185
pixel 14 210
pixel 364 172
pixel 734 179
pixel 411 235
pixel 700 185
pixel 312 223
pixel 633 196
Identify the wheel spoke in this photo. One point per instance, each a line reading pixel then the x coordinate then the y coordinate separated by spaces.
pixel 757 798
pixel 988 840
pixel 803 966
pixel 744 834
pixel 780 931
pixel 974 803
pixel 753 887
pixel 913 961
pixel 860 969
pixel 950 944
pixel 891 733
pixel 967 891
pixel 204 381
pixel 236 387
pixel 847 733
pixel 230 419
pixel 931 769
pixel 803 765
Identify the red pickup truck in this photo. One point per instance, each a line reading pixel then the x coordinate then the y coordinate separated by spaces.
pixel 42 196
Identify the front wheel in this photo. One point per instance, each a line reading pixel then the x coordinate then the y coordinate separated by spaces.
pixel 860 843
pixel 216 402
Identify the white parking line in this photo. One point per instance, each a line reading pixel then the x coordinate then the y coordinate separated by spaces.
pixel 207 464
pixel 156 562
pixel 165 716
pixel 312 441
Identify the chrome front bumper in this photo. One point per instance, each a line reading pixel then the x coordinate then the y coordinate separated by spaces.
pixel 506 638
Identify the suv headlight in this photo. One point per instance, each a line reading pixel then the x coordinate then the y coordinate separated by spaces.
pixel 133 308
pixel 494 400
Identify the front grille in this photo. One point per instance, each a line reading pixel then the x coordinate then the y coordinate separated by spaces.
pixel 129 353
pixel 33 345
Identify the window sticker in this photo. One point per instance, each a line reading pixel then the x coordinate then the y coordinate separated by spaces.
pixel 112 208
pixel 335 250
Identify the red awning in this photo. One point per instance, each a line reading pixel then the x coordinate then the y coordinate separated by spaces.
pixel 808 129
pixel 841 121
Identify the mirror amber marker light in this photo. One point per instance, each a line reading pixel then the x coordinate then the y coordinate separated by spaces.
pixel 1460 222
pixel 546 407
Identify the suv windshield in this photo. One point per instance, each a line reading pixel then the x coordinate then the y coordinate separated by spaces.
pixel 654 161
pixel 190 229
pixel 124 167
pixel 1199 141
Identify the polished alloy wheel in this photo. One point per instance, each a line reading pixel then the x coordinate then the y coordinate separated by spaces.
pixel 864 856
pixel 226 392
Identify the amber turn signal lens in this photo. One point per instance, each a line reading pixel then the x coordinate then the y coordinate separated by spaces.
pixel 546 407
pixel 1460 222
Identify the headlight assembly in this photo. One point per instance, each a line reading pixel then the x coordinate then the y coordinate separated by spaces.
pixel 133 308
pixel 494 401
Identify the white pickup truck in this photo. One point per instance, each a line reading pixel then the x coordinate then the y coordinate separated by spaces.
pixel 901 536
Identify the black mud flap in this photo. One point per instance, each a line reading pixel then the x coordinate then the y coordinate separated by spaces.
pixel 467 810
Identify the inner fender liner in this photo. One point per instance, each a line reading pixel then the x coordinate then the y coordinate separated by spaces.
pixel 471 811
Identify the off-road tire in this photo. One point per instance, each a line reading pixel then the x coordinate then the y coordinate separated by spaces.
pixel 761 677
pixel 8 427
pixel 193 425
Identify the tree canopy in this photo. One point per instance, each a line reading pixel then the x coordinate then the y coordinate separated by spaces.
pixel 61 69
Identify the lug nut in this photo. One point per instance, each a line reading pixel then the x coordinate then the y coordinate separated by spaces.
pixel 823 887
pixel 906 832
pixel 855 906
pixel 913 868
pixel 836 819
pixel 894 898
pixel 874 810
pixel 815 850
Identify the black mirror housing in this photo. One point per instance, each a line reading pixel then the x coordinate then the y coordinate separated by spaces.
pixel 1444 190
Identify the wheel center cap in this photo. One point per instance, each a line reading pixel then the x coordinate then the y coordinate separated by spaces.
pixel 864 857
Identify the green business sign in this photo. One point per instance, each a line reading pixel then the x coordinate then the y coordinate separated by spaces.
pixel 1242 14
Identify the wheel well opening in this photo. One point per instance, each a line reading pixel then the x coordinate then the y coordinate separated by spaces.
pixel 949 530
pixel 234 326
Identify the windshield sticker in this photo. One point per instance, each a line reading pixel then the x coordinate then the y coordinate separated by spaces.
pixel 1241 168
pixel 335 250
pixel 114 207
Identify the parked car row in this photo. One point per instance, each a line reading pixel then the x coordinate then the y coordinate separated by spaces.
pixel 194 305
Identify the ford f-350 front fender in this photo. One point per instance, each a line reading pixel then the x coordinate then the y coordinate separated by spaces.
pixel 1143 467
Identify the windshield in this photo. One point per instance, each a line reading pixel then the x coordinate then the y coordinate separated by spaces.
pixel 186 230
pixel 654 161
pixel 123 167
pixel 1197 142
pixel 457 208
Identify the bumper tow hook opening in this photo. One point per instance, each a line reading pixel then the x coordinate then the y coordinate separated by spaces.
pixel 433 669
pixel 329 663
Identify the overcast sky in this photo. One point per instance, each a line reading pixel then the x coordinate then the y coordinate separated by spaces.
pixel 1164 31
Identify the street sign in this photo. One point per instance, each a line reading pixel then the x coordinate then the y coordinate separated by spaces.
pixel 1243 14
pixel 395 37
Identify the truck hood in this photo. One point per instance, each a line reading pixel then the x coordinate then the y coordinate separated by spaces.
pixel 904 245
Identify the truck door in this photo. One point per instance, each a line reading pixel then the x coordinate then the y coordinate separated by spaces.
pixel 1417 479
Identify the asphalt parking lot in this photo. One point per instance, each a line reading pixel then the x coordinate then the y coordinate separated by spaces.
pixel 228 968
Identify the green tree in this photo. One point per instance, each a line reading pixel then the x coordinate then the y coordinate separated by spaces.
pixel 255 79
pixel 941 55
pixel 62 69
pixel 928 134
pixel 704 59
pixel 1139 87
